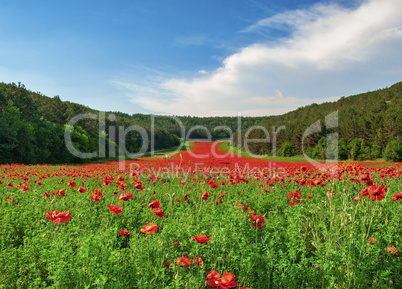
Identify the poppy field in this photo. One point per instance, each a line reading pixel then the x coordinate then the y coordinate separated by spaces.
pixel 212 222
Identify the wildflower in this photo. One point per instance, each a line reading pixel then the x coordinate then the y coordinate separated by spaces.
pixel 224 282
pixel 125 196
pixel 158 212
pixel 115 209
pixel 214 279
pixel 71 184
pixel 198 261
pixel 364 192
pixel 183 262
pixel 81 190
pixel 154 204
pixel 295 197
pixel 258 221
pixel 397 197
pixel 371 240
pixel 57 217
pixel 149 229
pixel 202 239
pixel 212 184
pixel 376 193
pixel 205 196
pixel 124 232
pixel 392 250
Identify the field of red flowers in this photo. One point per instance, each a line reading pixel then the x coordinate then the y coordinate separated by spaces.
pixel 200 219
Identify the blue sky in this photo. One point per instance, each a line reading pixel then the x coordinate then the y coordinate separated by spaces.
pixel 204 58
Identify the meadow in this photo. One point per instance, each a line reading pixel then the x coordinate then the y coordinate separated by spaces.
pixel 191 222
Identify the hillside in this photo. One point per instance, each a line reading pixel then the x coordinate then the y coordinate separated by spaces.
pixel 364 120
pixel 32 127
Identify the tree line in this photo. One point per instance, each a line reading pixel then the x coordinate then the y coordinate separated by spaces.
pixel 367 126
pixel 32 128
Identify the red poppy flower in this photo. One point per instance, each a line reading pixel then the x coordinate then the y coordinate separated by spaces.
pixel 364 192
pixel 198 261
pixel 366 179
pixel 376 193
pixel 227 280
pixel 46 195
pixel 202 238
pixel 212 184
pixel 356 199
pixel 81 190
pixel 154 204
pixel 258 221
pixel 149 229
pixel 124 232
pixel 183 262
pixel 57 217
pixel 397 197
pixel 115 209
pixel 71 184
pixel 309 197
pixel 205 196
pixel 167 264
pixel 392 250
pixel 292 203
pixel 125 196
pixel 10 185
pixel 213 279
pixel 10 199
pixel 158 212
pixel 62 192
pixel 185 197
pixel 371 240
pixel 295 196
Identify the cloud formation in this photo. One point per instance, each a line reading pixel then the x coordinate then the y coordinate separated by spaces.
pixel 328 51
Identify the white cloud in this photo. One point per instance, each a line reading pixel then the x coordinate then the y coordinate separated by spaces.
pixel 331 50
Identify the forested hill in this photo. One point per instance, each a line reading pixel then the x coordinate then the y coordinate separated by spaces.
pixel 369 127
pixel 32 127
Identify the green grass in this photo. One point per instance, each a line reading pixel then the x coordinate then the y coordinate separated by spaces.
pixel 319 243
pixel 225 145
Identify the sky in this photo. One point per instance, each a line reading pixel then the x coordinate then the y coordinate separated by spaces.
pixel 201 58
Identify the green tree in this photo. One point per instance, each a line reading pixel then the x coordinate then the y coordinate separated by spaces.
pixel 286 150
pixel 393 151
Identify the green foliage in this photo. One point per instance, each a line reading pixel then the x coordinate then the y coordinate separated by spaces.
pixel 319 243
pixel 393 151
pixel 287 150
pixel 33 126
pixel 374 116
